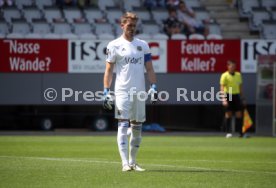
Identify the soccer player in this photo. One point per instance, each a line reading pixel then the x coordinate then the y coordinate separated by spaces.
pixel 231 85
pixel 130 56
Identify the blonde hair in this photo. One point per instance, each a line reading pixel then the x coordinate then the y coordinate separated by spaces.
pixel 128 15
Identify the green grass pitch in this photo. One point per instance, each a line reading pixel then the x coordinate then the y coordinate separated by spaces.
pixel 171 161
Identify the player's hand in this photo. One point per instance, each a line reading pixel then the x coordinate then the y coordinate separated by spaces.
pixel 225 103
pixel 152 93
pixel 107 100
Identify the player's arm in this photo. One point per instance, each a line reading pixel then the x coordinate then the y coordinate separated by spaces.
pixel 108 74
pixel 110 62
pixel 152 78
pixel 149 69
pixel 107 98
pixel 224 99
pixel 222 89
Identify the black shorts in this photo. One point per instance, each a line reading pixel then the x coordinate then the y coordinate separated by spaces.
pixel 235 104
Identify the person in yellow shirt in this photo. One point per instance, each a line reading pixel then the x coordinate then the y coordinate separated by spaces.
pixel 231 86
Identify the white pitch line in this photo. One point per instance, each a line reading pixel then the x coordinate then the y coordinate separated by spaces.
pixel 116 162
pixel 61 159
pixel 216 161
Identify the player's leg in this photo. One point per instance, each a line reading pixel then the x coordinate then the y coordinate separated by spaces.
pixel 228 117
pixel 137 117
pixel 228 123
pixel 239 122
pixel 121 113
pixel 122 141
pixel 135 141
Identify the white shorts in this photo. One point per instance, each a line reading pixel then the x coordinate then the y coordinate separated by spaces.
pixel 130 107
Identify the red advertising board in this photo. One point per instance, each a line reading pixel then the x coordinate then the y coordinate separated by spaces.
pixel 202 56
pixel 20 55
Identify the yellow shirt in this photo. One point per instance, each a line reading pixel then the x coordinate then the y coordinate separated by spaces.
pixel 231 81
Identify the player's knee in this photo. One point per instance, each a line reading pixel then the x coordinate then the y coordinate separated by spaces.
pixel 228 114
pixel 136 130
pixel 123 123
pixel 135 123
pixel 122 128
pixel 122 120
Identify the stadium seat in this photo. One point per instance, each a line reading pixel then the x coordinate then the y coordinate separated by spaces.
pixel 143 14
pixel 150 29
pixel 87 36
pixel 196 36
pixel 159 15
pixel 106 36
pixel 268 30
pixel 43 3
pixel 118 30
pixel 52 36
pixel 92 13
pixel 15 36
pixel 178 36
pixel 2 36
pixel 21 27
pixel 113 15
pixel 52 13
pixel 21 3
pixel 41 27
pixel 30 13
pixel 69 36
pixel 61 28
pixel 258 15
pixel 245 7
pixel 214 37
pixel 201 14
pixel 71 14
pixel 192 3
pixel 160 36
pixel 144 36
pixel 4 28
pixel 11 12
pixel 129 5
pixel 273 15
pixel 268 4
pixel 80 28
pixel 103 28
pixel 33 36
pixel 105 3
pixel 214 29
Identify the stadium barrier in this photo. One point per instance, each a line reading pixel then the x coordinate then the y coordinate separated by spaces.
pixel 169 56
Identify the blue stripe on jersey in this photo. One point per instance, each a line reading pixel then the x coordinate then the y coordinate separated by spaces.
pixel 147 57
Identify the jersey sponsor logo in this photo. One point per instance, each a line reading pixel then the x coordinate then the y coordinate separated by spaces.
pixel 133 60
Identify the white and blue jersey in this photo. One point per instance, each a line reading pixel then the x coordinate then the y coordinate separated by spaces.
pixel 129 58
